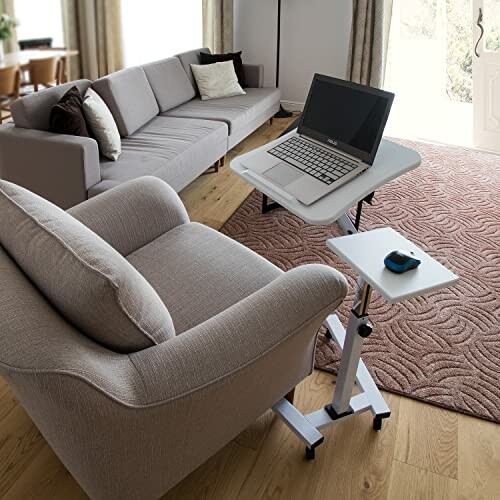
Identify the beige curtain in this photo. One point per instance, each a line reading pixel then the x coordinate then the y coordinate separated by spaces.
pixel 218 25
pixel 7 7
pixel 371 21
pixel 93 27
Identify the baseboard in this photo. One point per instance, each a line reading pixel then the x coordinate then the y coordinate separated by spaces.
pixel 293 106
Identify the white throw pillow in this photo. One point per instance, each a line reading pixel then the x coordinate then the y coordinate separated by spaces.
pixel 216 80
pixel 101 122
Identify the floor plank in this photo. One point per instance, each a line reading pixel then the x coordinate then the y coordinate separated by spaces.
pixel 478 459
pixel 361 459
pixel 20 442
pixel 427 437
pixel 45 477
pixel 412 483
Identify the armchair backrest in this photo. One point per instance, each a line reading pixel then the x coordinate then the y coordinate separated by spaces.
pixel 83 277
pixel 34 337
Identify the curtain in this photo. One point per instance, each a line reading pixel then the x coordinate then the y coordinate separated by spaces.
pixel 7 7
pixel 218 25
pixel 371 21
pixel 93 27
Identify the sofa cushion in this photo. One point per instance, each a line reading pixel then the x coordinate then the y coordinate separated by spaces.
pixel 216 80
pixel 176 150
pixel 170 83
pixel 66 117
pixel 129 97
pixel 235 111
pixel 33 110
pixel 188 58
pixel 198 272
pixel 230 56
pixel 83 277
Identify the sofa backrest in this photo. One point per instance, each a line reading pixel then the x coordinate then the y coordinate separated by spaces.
pixel 129 97
pixel 170 83
pixel 33 111
pixel 188 58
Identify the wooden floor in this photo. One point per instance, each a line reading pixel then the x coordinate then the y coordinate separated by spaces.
pixel 423 452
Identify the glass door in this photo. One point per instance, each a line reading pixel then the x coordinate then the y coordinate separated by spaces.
pixel 430 70
pixel 486 74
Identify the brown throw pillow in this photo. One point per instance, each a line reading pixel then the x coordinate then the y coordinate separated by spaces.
pixel 231 56
pixel 66 117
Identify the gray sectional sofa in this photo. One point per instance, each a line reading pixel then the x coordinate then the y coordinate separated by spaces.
pixel 167 131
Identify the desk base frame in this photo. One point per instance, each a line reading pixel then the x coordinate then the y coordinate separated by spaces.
pixel 352 371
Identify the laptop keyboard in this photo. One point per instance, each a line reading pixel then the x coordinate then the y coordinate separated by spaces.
pixel 325 166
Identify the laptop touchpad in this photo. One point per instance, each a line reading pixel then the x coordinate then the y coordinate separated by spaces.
pixel 283 174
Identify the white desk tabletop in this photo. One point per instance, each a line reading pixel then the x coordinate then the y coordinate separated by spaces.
pixel 392 160
pixel 365 253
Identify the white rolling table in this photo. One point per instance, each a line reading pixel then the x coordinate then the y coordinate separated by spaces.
pixel 392 160
pixel 365 253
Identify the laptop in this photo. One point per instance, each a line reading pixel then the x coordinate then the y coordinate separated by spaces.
pixel 337 139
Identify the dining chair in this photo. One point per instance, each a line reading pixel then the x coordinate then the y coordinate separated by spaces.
pixel 35 43
pixel 46 72
pixel 9 89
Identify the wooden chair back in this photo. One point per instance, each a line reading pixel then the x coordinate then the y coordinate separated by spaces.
pixel 61 70
pixel 43 72
pixel 9 81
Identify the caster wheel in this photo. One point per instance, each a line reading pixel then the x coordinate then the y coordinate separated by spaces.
pixel 328 334
pixel 377 423
pixel 310 453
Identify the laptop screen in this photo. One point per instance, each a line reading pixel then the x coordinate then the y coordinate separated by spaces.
pixel 349 116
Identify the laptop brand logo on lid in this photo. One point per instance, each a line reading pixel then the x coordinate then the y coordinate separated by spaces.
pixel 331 141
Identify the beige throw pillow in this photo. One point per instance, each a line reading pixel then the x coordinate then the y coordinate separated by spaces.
pixel 103 126
pixel 216 80
pixel 83 277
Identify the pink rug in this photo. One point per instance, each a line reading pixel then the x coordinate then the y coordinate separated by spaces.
pixel 442 348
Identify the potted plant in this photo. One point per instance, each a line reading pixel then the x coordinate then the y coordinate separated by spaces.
pixel 7 25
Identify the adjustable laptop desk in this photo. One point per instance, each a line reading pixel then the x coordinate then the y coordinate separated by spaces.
pixel 392 160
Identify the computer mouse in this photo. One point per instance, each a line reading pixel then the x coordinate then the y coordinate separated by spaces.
pixel 399 261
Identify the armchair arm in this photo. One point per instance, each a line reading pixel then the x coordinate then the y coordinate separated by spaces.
pixel 254 75
pixel 289 309
pixel 132 214
pixel 61 168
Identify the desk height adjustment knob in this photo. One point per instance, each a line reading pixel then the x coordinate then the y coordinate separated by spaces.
pixel 365 330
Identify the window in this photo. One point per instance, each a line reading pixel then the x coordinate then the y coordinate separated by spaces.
pixel 41 19
pixel 156 29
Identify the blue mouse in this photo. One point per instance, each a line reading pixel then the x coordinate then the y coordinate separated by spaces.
pixel 399 261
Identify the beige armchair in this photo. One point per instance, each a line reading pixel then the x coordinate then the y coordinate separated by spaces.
pixel 132 408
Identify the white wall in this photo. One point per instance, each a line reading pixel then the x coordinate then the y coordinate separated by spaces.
pixel 314 38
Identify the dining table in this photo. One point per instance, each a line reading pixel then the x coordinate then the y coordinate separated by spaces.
pixel 22 58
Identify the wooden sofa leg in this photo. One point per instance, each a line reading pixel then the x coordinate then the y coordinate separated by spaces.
pixel 216 166
pixel 289 397
pixel 222 161
pixel 271 120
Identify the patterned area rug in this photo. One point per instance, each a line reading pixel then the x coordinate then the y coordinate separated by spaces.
pixel 442 348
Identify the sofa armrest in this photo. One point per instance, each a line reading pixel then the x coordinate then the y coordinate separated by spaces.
pixel 254 75
pixel 293 306
pixel 132 214
pixel 60 168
